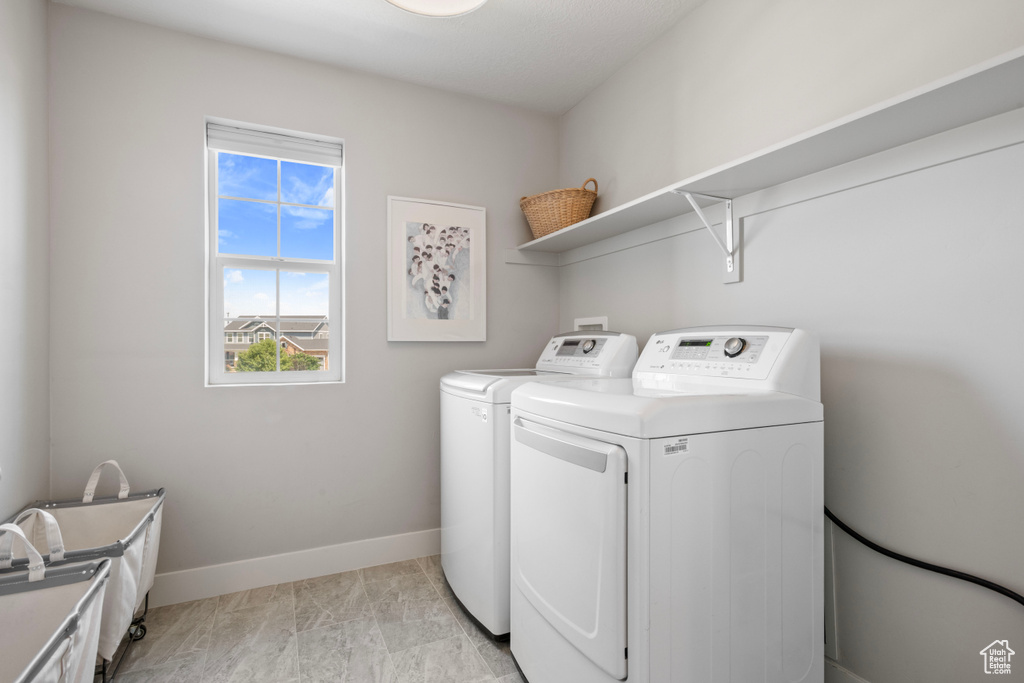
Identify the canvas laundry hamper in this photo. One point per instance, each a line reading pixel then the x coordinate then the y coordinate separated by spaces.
pixel 51 618
pixel 125 529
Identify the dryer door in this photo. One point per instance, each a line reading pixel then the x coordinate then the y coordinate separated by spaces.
pixel 569 537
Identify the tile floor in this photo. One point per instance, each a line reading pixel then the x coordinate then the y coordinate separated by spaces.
pixel 395 623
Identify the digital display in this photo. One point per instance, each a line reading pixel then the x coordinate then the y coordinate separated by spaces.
pixel 696 342
pixel 568 347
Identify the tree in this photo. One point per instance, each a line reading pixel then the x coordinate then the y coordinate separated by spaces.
pixel 299 361
pixel 262 357
pixel 259 357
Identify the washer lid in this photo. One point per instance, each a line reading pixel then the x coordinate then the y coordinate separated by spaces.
pixel 621 406
pixel 494 386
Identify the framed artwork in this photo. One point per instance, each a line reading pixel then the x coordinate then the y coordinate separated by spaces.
pixel 437 280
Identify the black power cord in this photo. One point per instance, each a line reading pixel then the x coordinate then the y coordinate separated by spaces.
pixel 1002 590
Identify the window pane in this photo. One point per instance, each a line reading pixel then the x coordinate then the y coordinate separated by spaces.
pixel 307 233
pixel 257 357
pixel 307 184
pixel 250 293
pixel 239 175
pixel 304 294
pixel 246 228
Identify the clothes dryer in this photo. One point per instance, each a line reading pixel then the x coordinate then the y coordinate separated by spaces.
pixel 475 463
pixel 668 528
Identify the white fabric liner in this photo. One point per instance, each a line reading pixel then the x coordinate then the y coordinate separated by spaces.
pixel 54 667
pixel 131 576
pixel 91 526
pixel 32 617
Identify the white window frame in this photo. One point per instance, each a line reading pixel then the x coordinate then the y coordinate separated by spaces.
pixel 237 138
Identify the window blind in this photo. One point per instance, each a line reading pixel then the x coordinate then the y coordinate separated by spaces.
pixel 262 143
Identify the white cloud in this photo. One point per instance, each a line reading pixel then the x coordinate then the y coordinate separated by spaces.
pixel 328 198
pixel 302 192
pixel 304 218
pixel 233 277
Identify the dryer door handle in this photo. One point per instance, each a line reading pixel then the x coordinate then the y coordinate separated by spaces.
pixel 572 448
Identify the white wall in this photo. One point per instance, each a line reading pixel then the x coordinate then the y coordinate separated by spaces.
pixel 908 282
pixel 24 264
pixel 736 76
pixel 254 471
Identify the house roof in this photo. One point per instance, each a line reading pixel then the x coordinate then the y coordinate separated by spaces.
pixel 289 323
pixel 308 344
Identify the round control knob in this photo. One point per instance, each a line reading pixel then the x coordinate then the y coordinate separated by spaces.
pixel 735 346
pixel 589 345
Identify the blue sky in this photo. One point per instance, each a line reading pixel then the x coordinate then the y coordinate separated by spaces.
pixel 249 228
pixel 253 292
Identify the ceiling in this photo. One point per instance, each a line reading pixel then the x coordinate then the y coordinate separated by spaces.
pixel 541 54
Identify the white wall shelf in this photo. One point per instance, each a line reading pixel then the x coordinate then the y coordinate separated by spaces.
pixel 989 89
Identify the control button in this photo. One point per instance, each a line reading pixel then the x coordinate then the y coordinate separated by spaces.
pixel 735 346
pixel 589 345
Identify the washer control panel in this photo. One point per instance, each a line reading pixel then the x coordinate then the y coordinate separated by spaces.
pixel 737 353
pixel 607 353
pixel 580 348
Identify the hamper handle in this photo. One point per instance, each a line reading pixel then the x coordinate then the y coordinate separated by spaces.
pixel 54 539
pixel 36 571
pixel 589 180
pixel 94 479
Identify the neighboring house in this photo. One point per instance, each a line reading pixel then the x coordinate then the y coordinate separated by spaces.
pixel 314 347
pixel 298 334
pixel 997 657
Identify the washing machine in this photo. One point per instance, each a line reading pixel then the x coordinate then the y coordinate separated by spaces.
pixel 668 528
pixel 475 463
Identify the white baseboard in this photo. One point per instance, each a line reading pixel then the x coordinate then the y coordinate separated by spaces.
pixel 837 674
pixel 205 582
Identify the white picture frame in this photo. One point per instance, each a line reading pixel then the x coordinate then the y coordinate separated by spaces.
pixel 437 271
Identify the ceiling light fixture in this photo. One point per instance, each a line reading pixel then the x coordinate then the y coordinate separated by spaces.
pixel 438 8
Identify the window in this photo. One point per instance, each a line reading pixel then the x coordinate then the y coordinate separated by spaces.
pixel 274 253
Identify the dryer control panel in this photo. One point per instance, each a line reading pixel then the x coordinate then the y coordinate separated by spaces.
pixel 733 354
pixel 767 357
pixel 591 353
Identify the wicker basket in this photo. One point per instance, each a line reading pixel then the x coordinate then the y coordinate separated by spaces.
pixel 554 210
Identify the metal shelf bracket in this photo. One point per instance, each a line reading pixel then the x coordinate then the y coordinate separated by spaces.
pixel 729 246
